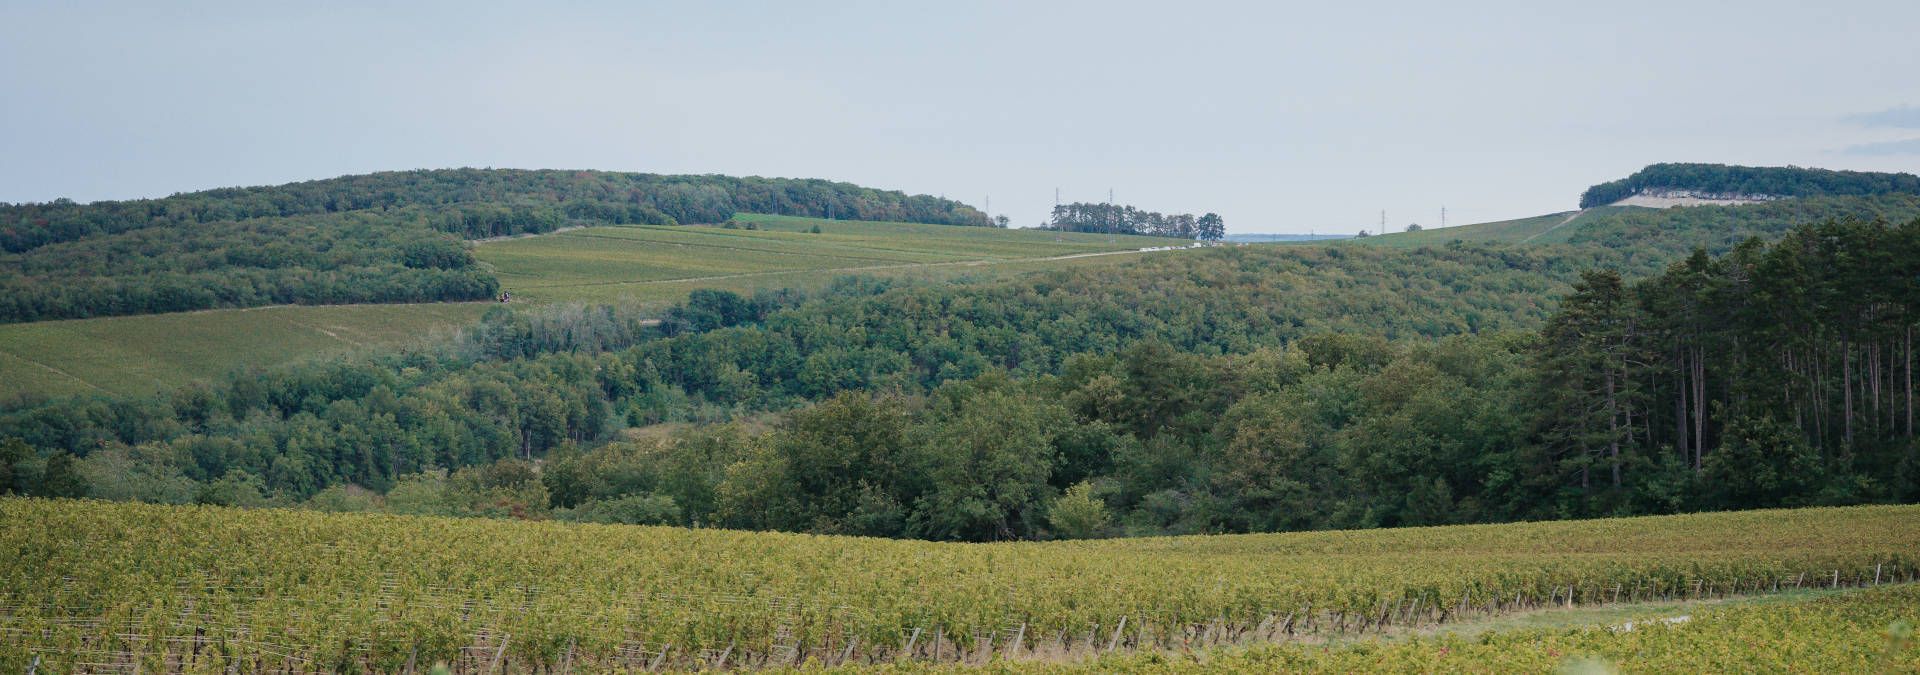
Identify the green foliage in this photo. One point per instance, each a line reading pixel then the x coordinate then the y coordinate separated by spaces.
pixel 1778 373
pixel 1789 181
pixel 237 488
pixel 16 467
pixel 1763 462
pixel 990 456
pixel 343 499
pixel 647 509
pixel 1078 513
pixel 1120 219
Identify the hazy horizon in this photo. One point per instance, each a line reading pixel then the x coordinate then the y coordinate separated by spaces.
pixel 1281 119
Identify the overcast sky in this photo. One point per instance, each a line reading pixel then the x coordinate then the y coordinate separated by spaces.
pixel 1280 118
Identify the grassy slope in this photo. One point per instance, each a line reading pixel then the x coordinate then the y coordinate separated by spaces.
pixel 651 265
pixel 628 265
pixel 1547 229
pixel 138 354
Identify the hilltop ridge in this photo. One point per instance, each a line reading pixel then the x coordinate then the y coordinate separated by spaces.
pixel 371 238
pixel 1722 183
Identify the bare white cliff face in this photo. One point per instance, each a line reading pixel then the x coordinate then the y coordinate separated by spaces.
pixel 1661 198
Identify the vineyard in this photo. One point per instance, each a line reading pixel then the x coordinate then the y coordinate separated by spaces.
pixel 1854 632
pixel 99 587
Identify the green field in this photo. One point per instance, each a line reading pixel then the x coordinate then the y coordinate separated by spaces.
pixel 656 265
pixel 141 354
pixel 136 585
pixel 636 266
pixel 1548 229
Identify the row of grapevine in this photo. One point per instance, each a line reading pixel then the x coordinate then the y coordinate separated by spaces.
pixel 104 587
pixel 1870 631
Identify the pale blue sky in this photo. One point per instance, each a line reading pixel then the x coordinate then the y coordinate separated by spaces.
pixel 1281 117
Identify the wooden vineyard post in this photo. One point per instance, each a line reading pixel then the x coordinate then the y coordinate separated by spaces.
pixel 660 658
pixel 1115 640
pixel 721 663
pixel 908 652
pixel 848 652
pixel 1013 650
pixel 1876 574
pixel 499 653
pixel 939 633
pixel 1836 578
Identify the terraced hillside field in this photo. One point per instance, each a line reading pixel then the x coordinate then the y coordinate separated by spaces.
pixel 646 266
pixel 93 586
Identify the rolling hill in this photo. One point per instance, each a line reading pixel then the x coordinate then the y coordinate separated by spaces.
pixel 1777 199
pixel 375 238
pixel 1358 390
pixel 655 265
pixel 644 267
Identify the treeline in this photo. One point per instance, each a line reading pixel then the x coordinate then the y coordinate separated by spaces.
pixel 386 237
pixel 1121 219
pixel 1236 390
pixel 1788 181
pixel 1780 375
pixel 628 197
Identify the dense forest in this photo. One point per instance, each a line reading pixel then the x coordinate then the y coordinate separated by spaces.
pixel 1722 179
pixel 1220 391
pixel 384 237
pixel 1121 219
pixel 1784 372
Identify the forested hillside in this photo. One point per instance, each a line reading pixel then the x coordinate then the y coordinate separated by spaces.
pixel 524 384
pixel 1240 389
pixel 1722 179
pixel 384 237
